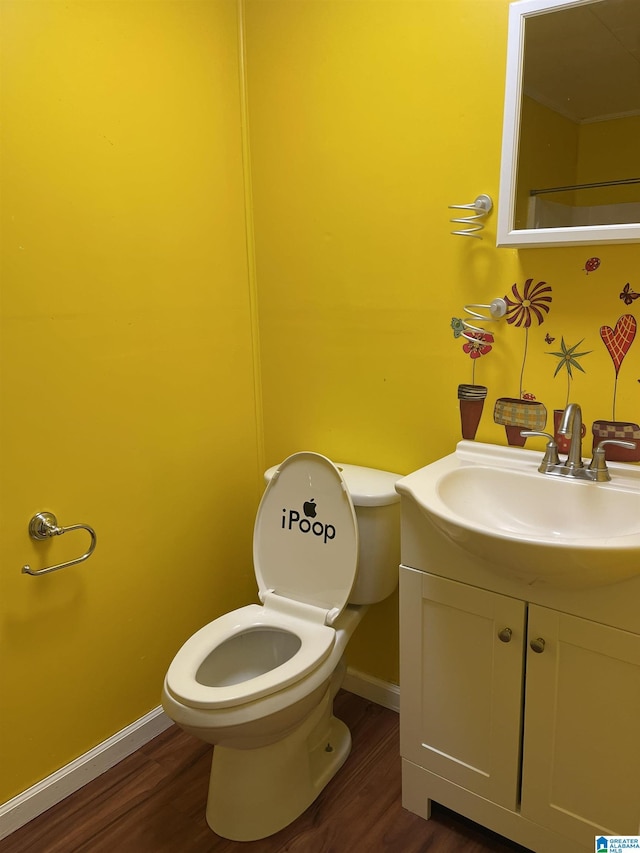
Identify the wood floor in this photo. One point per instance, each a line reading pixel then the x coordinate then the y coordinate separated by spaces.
pixel 154 802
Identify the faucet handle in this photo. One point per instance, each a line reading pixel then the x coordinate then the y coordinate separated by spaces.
pixel 630 445
pixel 550 457
pixel 599 462
pixel 525 433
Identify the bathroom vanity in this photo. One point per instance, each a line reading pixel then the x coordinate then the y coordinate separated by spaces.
pixel 520 694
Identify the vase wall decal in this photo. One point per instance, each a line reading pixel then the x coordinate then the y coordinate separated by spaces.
pixel 472 399
pixel 517 415
pixel 620 431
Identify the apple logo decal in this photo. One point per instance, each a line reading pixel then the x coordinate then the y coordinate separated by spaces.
pixel 309 508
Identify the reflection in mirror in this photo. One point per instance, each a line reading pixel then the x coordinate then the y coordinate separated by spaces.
pixel 570 168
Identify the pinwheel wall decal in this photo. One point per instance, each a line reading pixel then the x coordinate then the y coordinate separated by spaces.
pixel 522 310
pixel 523 412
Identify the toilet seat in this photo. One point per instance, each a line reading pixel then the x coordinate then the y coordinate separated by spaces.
pixel 316 641
pixel 305 548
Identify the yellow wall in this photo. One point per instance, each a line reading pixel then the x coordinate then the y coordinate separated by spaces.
pixel 124 191
pixel 127 370
pixel 367 119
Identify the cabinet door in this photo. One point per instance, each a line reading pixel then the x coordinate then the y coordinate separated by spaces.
pixel 460 684
pixel 582 727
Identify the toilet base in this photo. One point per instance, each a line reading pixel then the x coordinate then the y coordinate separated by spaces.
pixel 254 793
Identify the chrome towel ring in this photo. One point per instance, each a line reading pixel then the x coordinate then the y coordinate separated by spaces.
pixel 44 525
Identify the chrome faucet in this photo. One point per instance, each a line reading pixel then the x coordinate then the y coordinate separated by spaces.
pixel 571 427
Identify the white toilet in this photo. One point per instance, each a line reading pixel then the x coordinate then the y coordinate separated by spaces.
pixel 259 682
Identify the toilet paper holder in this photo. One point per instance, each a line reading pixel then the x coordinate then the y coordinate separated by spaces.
pixel 43 526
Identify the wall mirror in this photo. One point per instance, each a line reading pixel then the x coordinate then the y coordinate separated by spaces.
pixel 570 171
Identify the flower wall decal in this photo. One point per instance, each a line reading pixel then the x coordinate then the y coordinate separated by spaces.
pixel 534 302
pixel 618 342
pixel 471 397
pixel 476 344
pixel 568 358
pixel 458 326
pixel 527 305
pixel 523 309
pixel 479 346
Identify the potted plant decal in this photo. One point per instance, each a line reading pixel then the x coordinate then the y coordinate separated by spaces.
pixel 471 396
pixel 567 358
pixel 523 412
pixel 618 342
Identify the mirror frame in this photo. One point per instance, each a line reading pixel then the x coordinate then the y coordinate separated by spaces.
pixel 531 237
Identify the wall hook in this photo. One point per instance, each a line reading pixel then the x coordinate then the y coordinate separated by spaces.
pixel 44 525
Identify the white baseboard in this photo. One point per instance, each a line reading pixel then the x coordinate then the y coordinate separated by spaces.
pixel 45 794
pixel 374 689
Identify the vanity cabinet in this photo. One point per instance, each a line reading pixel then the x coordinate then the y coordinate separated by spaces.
pixel 523 717
pixel 461 686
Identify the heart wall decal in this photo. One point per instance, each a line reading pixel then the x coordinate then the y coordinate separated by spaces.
pixel 618 340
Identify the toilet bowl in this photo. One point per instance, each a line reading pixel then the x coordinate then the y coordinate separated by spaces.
pixel 259 682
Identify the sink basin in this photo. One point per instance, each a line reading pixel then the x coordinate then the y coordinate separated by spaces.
pixel 492 502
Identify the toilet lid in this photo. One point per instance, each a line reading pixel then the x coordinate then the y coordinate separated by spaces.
pixel 305 542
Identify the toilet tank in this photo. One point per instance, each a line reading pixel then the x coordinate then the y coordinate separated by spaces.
pixel 377 506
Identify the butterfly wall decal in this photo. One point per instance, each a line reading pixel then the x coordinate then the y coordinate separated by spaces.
pixel 628 295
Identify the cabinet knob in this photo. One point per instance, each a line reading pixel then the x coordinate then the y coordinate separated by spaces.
pixel 505 635
pixel 537 645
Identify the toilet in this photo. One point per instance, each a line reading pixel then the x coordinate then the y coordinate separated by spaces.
pixel 259 682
